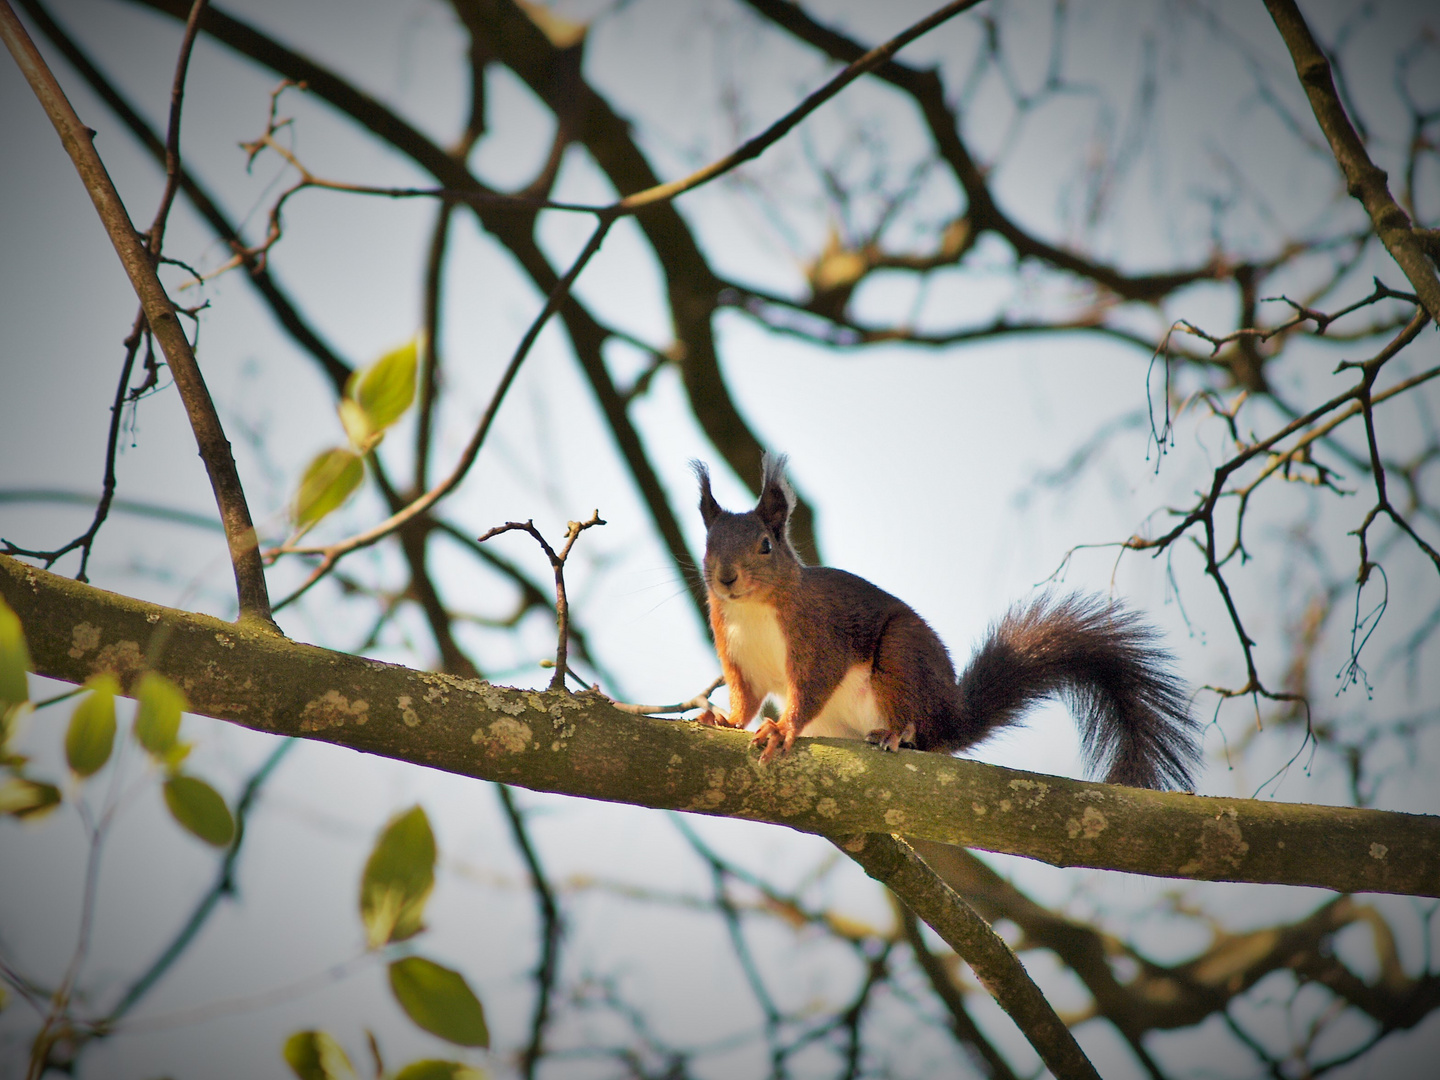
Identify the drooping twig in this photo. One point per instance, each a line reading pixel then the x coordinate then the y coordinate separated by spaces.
pixel 85 542
pixel 573 530
pixel 1358 400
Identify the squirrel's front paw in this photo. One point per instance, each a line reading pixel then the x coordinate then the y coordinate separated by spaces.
pixel 777 737
pixel 885 739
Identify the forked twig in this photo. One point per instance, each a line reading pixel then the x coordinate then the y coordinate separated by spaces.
pixel 573 530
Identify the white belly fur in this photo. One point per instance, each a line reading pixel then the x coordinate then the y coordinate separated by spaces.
pixel 757 647
pixel 851 712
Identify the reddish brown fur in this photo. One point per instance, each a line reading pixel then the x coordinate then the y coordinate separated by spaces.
pixel 1132 712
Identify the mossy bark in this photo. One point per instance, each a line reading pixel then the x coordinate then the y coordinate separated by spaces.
pixel 580 745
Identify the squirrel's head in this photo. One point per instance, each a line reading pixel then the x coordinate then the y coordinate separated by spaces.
pixel 747 555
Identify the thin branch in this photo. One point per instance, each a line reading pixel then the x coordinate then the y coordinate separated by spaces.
pixel 85 541
pixel 223 886
pixel 125 506
pixel 332 553
pixel 550 932
pixel 928 92
pixel 156 235
pixel 1366 180
pixel 250 588
pixel 699 701
pixel 754 147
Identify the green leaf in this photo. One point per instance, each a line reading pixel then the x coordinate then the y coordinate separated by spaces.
pixel 24 798
pixel 157 720
pixel 199 808
pixel 328 481
pixel 386 388
pixel 433 1069
pixel 358 428
pixel 14 658
pixel 91 735
pixel 314 1055
pixel 398 878
pixel 439 1000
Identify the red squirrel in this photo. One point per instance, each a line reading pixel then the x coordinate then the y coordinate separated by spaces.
pixel 852 661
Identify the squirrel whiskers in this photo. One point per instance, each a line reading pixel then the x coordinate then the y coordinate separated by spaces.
pixel 851 660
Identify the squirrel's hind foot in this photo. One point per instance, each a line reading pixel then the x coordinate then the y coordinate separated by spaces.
pixel 885 739
pixel 713 717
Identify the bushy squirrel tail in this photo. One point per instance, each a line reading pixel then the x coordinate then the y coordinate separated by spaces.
pixel 1107 666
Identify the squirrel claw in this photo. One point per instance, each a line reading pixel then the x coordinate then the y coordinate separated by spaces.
pixel 891 741
pixel 714 718
pixel 778 738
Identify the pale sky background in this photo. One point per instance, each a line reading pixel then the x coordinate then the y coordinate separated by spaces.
pixel 918 464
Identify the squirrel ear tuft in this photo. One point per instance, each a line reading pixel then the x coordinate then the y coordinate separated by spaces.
pixel 777 499
pixel 709 508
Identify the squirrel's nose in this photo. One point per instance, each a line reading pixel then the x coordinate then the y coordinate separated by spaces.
pixel 728 577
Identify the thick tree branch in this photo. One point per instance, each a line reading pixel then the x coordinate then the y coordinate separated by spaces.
pixel 893 862
pixel 159 313
pixel 581 745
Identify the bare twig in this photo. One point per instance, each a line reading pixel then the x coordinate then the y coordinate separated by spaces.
pixel 753 148
pixel 573 530
pixel 85 542
pixel 699 701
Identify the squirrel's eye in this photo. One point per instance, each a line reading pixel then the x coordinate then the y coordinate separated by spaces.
pixel 765 546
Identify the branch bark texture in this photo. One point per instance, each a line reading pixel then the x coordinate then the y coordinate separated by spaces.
pixel 581 745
